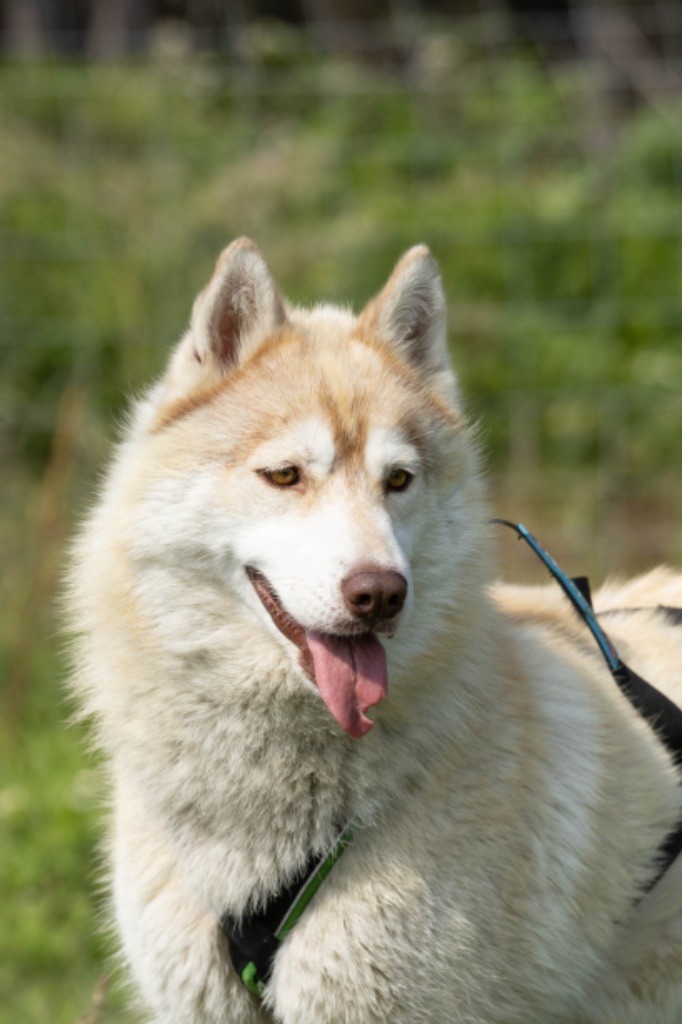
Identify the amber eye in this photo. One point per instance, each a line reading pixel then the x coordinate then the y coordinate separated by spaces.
pixel 398 480
pixel 287 476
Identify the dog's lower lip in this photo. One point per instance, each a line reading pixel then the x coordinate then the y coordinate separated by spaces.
pixel 286 623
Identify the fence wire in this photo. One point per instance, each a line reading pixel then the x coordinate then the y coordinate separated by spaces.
pixel 538 152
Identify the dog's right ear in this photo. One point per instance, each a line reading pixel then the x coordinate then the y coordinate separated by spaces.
pixel 237 310
pixel 410 314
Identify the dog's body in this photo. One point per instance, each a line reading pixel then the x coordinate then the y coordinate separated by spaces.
pixel 290 468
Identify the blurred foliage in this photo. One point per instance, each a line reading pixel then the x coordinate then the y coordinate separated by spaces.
pixel 119 186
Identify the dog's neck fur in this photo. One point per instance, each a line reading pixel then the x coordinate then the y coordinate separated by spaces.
pixel 182 641
pixel 243 838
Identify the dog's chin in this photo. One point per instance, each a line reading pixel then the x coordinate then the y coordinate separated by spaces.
pixel 348 666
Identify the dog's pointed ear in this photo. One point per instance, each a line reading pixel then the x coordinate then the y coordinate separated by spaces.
pixel 237 310
pixel 240 306
pixel 410 313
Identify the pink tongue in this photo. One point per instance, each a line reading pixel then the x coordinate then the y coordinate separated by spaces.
pixel 351 676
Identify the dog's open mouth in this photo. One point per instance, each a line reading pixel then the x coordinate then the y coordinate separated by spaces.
pixel 349 671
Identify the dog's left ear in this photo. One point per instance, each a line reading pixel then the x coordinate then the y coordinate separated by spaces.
pixel 237 310
pixel 239 307
pixel 410 312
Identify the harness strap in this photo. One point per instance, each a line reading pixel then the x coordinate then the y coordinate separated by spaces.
pixel 662 714
pixel 253 939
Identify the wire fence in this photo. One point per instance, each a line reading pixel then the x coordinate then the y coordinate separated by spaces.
pixel 539 152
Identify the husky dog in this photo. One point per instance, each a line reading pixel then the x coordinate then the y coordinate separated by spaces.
pixel 286 622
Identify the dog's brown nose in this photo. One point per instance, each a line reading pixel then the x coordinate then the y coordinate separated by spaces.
pixel 374 594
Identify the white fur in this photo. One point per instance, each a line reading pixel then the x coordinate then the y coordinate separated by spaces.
pixel 308 443
pixel 509 801
pixel 387 449
pixel 293 551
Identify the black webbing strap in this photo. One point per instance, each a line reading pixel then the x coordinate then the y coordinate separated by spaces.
pixel 253 939
pixel 662 714
pixel 673 615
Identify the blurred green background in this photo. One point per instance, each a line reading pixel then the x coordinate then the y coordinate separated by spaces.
pixel 544 171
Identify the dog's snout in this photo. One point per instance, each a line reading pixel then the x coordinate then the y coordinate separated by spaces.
pixel 374 594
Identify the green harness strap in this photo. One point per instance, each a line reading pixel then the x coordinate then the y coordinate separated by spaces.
pixel 254 940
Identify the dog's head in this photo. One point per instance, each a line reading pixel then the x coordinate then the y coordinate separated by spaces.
pixel 318 464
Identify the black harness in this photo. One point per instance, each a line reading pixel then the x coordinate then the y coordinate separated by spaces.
pixel 254 939
pixel 662 714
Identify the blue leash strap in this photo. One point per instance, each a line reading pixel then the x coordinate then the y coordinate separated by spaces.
pixel 575 596
pixel 661 713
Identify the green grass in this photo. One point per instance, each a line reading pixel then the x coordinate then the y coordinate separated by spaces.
pixel 119 186
pixel 52 950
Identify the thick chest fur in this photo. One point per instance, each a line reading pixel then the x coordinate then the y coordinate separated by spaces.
pixel 482 885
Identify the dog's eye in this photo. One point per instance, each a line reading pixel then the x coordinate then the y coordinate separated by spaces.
pixel 398 480
pixel 286 476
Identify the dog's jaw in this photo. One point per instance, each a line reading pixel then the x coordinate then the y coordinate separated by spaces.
pixel 349 671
